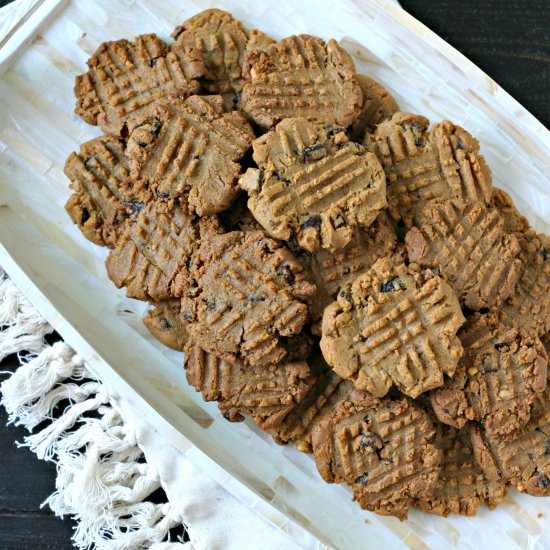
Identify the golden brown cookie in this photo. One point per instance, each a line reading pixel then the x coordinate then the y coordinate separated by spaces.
pixel 331 271
pixel 497 379
pixel 223 42
pixel 396 325
pixel 514 222
pixel 125 77
pixel 166 324
pixel 250 293
pixel 523 458
pixel 378 105
pixel 190 148
pixel 103 193
pixel 422 165
pixel 301 76
pixel 152 257
pixel 266 393
pixel 466 243
pixel 383 449
pixel 528 306
pixel 313 184
pixel 462 487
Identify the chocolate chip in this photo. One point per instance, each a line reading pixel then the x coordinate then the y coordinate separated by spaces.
pixel 254 299
pixel 459 144
pixel 544 254
pixel 163 195
pixel 332 130
pixel 345 295
pixel 197 157
pixel 311 221
pixel 134 205
pixel 165 324
pixel 362 479
pixel 284 271
pixel 314 152
pixel 418 141
pixel 368 440
pixel 393 285
pixel 544 481
pixel 187 316
pixel 366 419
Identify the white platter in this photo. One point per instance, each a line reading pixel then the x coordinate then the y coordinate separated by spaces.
pixel 64 276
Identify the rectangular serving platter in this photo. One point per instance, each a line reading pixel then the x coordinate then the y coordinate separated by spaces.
pixel 64 275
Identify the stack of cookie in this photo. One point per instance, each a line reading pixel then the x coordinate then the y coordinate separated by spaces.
pixel 332 267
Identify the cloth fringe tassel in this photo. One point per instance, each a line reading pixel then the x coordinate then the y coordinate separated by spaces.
pixel 103 479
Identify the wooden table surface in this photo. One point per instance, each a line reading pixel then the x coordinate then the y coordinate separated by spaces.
pixel 508 39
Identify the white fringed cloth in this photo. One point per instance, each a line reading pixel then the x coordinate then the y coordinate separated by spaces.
pixel 108 460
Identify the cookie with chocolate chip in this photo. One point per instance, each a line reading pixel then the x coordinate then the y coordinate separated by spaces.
pixel 466 243
pixel 394 325
pixel 498 378
pixel 383 449
pixel 301 76
pixel 103 193
pixel 250 294
pixel 462 486
pixel 313 184
pixel 125 77
pixel 190 148
pixel 422 164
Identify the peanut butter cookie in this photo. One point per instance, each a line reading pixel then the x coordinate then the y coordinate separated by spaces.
pixel 396 325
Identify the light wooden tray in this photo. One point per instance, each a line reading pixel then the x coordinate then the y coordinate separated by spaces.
pixel 64 275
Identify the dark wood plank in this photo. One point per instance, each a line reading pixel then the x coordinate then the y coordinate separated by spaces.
pixel 28 531
pixel 508 39
pixel 25 483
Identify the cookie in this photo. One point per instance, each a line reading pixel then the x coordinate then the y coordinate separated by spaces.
pixel 301 76
pixel 267 393
pixel 125 77
pixel 422 165
pixel 190 148
pixel 378 105
pixel 396 325
pixel 523 458
pixel 223 42
pixel 462 487
pixel 103 196
pixel 497 379
pixel 528 306
pixel 313 184
pixel 514 222
pixel 331 271
pixel 383 449
pixel 250 294
pixel 166 325
pixel 152 257
pixel 466 243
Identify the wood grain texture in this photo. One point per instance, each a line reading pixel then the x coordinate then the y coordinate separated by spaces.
pixel 25 483
pixel 510 40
